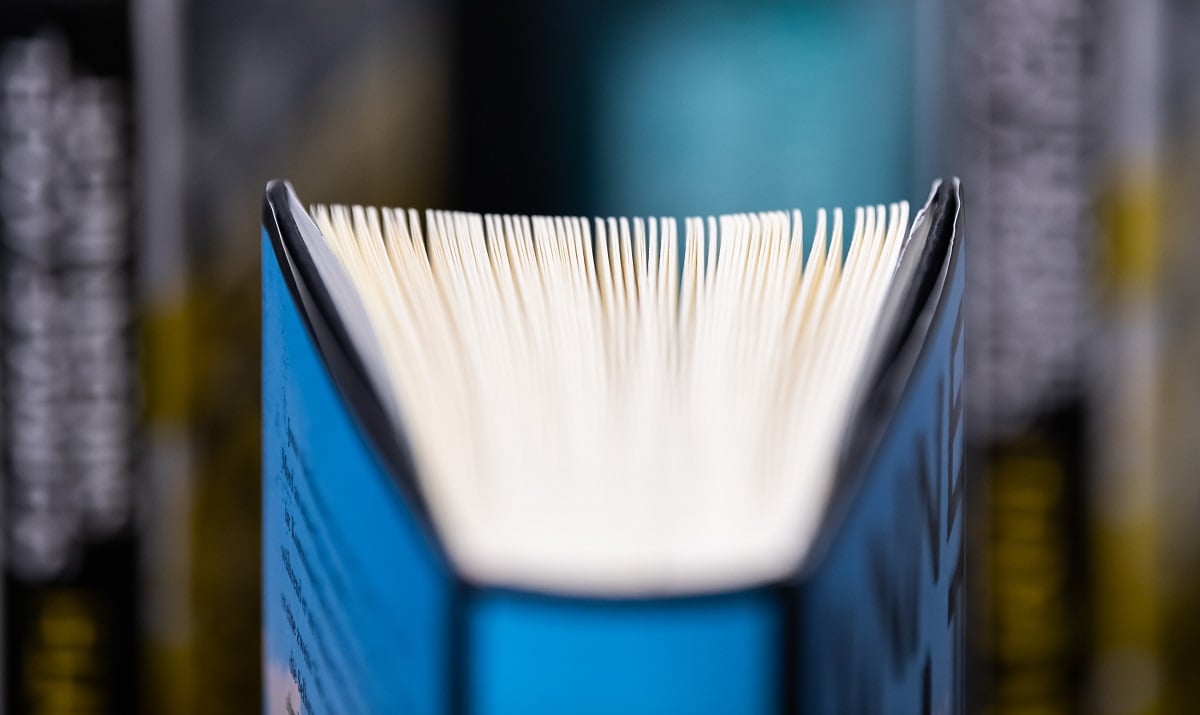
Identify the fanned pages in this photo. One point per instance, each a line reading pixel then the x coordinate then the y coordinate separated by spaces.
pixel 621 405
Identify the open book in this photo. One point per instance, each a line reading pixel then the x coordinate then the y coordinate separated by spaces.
pixel 533 464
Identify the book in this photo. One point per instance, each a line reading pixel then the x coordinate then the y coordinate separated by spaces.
pixel 69 437
pixel 554 464
pixel 374 83
pixel 1144 545
pixel 1177 409
pixel 1023 135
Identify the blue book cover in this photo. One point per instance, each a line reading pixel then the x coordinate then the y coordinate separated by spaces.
pixel 365 610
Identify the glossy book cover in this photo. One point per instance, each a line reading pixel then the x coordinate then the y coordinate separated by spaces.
pixel 365 610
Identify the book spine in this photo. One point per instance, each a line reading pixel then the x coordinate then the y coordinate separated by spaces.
pixel 1026 148
pixel 69 421
pixel 1146 550
pixel 1178 410
pixel 1125 485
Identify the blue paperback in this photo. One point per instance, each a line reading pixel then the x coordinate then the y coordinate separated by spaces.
pixel 388 591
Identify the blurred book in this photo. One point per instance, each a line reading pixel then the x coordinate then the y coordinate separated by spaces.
pixel 71 384
pixel 227 88
pixel 555 464
pixel 1022 92
pixel 1124 517
pixel 1072 121
pixel 1178 501
pixel 1147 544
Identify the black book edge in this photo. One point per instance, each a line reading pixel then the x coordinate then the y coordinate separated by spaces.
pixel 895 365
pixel 282 217
pixel 285 218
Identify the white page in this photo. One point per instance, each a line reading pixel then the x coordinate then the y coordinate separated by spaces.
pixel 592 408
